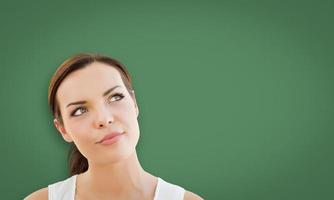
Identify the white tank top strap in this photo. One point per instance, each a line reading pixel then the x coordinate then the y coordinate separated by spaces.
pixel 62 190
pixel 168 191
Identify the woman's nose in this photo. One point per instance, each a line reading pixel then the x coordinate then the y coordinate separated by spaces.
pixel 103 119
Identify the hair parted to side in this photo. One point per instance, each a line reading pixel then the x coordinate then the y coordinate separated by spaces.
pixel 77 162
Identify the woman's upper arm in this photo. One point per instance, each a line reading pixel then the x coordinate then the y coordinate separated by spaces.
pixel 41 194
pixel 191 196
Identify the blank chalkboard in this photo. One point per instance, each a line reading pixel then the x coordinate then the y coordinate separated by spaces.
pixel 235 97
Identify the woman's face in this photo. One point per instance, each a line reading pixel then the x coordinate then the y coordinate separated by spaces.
pixel 94 102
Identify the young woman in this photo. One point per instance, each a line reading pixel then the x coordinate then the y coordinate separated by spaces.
pixel 94 107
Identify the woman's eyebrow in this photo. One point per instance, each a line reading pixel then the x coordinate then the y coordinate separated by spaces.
pixel 76 103
pixel 110 90
pixel 104 94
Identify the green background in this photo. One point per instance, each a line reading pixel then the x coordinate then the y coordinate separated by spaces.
pixel 236 97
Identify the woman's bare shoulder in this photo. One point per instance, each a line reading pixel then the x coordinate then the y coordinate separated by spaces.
pixel 41 194
pixel 191 196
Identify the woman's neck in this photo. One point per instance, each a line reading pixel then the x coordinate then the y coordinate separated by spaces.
pixel 118 179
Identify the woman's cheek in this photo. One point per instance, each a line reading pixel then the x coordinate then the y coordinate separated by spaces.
pixel 80 126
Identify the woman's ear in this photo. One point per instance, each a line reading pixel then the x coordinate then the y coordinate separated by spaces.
pixel 60 127
pixel 135 102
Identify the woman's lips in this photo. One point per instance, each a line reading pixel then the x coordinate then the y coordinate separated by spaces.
pixel 111 138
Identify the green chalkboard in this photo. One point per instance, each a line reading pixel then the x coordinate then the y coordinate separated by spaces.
pixel 235 97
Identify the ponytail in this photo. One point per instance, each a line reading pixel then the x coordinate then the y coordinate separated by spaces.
pixel 77 162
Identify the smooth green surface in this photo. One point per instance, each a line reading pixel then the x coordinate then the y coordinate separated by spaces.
pixel 236 97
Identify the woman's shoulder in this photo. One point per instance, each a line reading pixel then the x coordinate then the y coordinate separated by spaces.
pixel 191 196
pixel 167 190
pixel 41 194
pixel 64 187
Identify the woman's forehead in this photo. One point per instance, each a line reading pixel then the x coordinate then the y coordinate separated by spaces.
pixel 89 82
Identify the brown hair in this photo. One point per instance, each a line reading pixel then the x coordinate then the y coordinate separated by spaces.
pixel 77 162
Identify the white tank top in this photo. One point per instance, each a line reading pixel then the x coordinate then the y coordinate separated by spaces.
pixel 65 190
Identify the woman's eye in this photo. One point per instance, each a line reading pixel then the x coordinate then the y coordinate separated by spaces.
pixel 79 111
pixel 116 97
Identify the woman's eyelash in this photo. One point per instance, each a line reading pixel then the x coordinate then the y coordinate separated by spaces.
pixel 74 111
pixel 117 94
